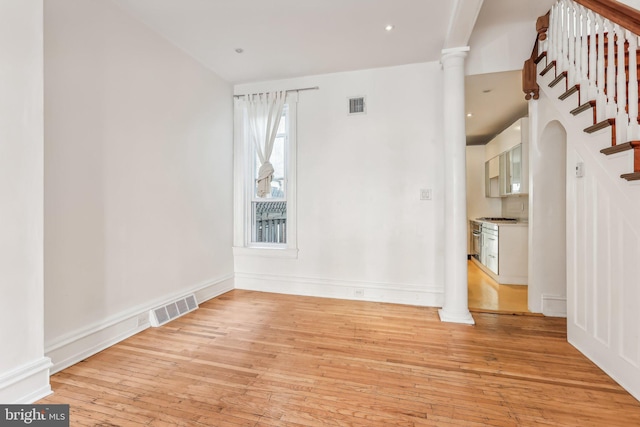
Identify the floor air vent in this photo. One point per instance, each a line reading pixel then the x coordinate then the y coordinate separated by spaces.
pixel 161 315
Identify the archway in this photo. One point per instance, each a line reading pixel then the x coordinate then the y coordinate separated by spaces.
pixel 547 222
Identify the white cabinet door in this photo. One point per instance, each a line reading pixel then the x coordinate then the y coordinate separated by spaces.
pixel 492 253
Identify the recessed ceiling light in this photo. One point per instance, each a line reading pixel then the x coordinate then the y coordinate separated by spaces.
pixel 239 50
pixel 469 115
pixel 389 27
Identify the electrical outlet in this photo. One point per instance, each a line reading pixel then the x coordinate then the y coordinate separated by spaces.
pixel 358 293
pixel 425 194
pixel 143 319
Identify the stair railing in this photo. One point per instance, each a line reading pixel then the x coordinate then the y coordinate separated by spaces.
pixel 597 57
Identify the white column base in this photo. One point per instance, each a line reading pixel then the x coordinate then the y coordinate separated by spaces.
pixel 450 317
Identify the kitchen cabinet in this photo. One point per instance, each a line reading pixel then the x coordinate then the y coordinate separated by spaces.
pixel 504 253
pixel 491 248
pixel 511 179
pixel 492 177
pixel 507 166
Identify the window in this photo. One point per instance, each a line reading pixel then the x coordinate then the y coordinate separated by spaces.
pixel 269 213
pixel 265 214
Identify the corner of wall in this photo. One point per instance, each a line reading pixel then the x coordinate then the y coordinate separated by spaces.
pixel 85 342
pixel 27 383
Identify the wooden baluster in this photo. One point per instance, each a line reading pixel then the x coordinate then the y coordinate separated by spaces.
pixel 584 55
pixel 550 46
pixel 622 119
pixel 634 131
pixel 601 99
pixel 611 70
pixel 558 35
pixel 571 34
pixel 593 55
pixel 577 36
pixel 551 51
pixel 564 66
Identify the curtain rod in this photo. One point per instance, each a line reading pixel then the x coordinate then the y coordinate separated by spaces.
pixel 287 91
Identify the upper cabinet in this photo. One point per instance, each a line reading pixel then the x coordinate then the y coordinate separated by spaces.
pixel 513 177
pixel 492 177
pixel 507 164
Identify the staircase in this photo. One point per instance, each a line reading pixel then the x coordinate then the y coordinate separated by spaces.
pixel 597 59
pixel 583 71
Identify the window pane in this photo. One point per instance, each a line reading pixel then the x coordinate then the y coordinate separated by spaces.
pixel 269 221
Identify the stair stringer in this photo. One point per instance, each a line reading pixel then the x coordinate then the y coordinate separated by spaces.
pixel 602 240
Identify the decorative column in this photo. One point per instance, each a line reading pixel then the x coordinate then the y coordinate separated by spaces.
pixel 455 308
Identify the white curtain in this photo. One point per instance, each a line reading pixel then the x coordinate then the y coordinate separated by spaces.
pixel 263 113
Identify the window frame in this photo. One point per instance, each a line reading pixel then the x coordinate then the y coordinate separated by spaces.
pixel 244 187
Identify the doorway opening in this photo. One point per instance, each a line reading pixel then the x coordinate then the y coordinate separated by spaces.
pixel 547 222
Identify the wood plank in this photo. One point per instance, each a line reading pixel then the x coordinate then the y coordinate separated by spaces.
pixel 257 359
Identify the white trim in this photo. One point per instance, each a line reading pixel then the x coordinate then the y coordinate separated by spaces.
pixel 455 50
pixel 464 317
pixel 29 382
pixel 396 293
pixel 243 190
pixel 274 252
pixel 84 342
pixel 554 306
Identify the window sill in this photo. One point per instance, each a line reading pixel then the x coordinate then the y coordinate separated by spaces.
pixel 266 252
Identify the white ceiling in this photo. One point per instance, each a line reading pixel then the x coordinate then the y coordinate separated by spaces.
pixel 495 100
pixel 292 38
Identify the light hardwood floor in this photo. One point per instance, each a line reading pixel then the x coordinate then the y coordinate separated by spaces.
pixel 257 359
pixel 485 294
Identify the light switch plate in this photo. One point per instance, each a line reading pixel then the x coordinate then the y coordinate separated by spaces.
pixel 425 194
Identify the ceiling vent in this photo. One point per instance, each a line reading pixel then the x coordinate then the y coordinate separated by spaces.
pixel 357 105
pixel 161 315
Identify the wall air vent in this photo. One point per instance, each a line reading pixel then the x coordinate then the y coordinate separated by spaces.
pixel 161 315
pixel 357 105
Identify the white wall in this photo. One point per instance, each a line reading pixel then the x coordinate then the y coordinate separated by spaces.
pixel 24 371
pixel 516 207
pixel 361 224
pixel 138 176
pixel 602 241
pixel 503 35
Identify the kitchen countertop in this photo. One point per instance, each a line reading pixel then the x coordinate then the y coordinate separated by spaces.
pixel 519 223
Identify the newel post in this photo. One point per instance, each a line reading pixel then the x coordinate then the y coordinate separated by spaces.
pixel 530 69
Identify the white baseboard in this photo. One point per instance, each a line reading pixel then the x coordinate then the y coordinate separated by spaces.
pixel 410 294
pixel 73 347
pixel 554 306
pixel 27 383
